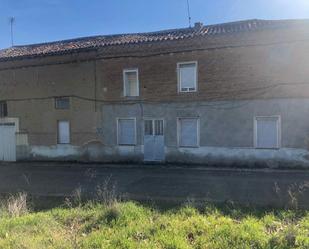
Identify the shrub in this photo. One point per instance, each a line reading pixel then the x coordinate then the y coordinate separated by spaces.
pixel 106 193
pixel 188 211
pixel 112 214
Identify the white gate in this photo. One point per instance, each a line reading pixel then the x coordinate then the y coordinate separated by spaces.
pixel 154 140
pixel 7 142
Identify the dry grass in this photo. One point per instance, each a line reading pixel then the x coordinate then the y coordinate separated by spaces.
pixel 106 193
pixel 16 205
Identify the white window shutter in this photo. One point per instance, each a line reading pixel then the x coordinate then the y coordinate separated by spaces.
pixel 187 76
pixel 267 132
pixel 188 132
pixel 126 131
pixel 131 83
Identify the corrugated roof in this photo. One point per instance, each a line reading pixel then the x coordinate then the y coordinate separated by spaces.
pixel 66 46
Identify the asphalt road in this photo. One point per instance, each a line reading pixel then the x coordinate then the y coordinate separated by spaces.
pixel 158 183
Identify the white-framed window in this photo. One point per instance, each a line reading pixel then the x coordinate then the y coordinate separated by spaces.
pixel 130 83
pixel 63 132
pixel 126 131
pixel 188 132
pixel 267 132
pixel 187 76
pixel 62 103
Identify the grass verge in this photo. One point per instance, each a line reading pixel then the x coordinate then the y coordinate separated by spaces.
pixel 131 225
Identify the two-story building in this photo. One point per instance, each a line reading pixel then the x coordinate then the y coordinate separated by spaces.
pixel 226 94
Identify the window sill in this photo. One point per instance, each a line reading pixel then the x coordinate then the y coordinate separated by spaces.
pixel 131 97
pixel 189 147
pixel 188 91
pixel 261 148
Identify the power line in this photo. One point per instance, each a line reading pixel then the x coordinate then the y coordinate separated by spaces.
pixel 212 102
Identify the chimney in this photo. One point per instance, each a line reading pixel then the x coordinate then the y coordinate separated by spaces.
pixel 198 25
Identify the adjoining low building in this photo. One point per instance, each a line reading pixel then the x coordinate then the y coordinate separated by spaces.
pixel 226 94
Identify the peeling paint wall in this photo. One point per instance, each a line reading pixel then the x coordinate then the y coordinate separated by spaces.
pixel 226 132
pixel 226 135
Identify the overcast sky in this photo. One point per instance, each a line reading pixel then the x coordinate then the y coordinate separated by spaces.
pixel 48 20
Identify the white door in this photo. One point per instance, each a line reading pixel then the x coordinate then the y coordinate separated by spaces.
pixel 63 132
pixel 154 140
pixel 7 142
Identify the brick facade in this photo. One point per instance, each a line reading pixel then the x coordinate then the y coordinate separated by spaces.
pixel 263 64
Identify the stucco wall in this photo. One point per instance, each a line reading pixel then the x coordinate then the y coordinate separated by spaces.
pixel 226 131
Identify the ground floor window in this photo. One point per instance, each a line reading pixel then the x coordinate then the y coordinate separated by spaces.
pixel 126 131
pixel 63 132
pixel 188 132
pixel 267 132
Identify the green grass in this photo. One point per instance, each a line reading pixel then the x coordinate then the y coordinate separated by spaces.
pixel 130 225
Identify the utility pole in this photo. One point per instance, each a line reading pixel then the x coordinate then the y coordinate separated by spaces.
pixel 12 21
pixel 189 13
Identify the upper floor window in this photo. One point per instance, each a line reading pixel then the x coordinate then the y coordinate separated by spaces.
pixel 3 109
pixel 187 76
pixel 130 83
pixel 62 103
